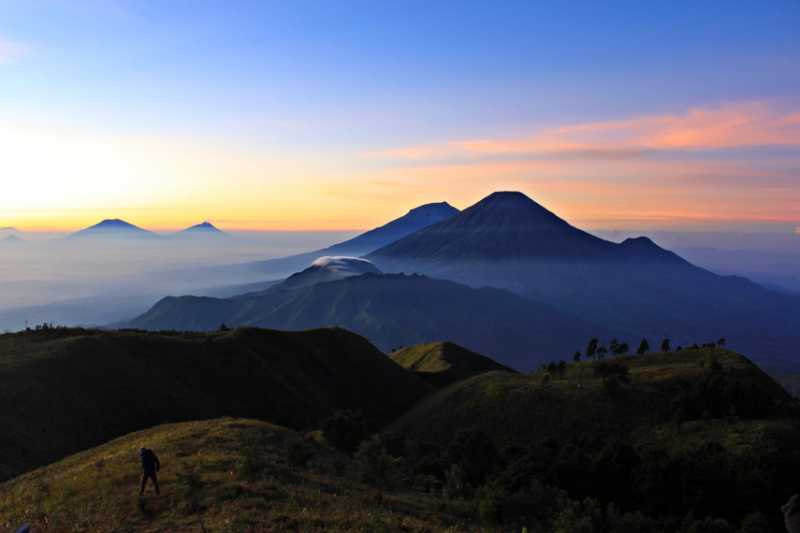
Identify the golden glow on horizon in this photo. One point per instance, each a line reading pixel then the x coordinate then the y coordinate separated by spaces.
pixel 604 172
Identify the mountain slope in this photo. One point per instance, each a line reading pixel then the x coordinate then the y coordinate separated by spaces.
pixel 508 241
pixel 243 482
pixel 416 219
pixel 444 363
pixel 391 311
pixel 65 390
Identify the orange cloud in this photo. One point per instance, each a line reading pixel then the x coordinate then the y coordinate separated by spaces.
pixel 734 125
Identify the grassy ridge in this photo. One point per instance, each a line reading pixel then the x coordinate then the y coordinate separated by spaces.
pixel 444 363
pixel 217 475
pixel 62 391
pixel 516 408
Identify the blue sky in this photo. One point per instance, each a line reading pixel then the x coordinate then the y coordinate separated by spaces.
pixel 301 91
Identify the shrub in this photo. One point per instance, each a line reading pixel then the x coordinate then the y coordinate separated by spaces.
pixel 377 466
pixel 455 483
pixel 489 502
pixel 345 430
pixel 299 453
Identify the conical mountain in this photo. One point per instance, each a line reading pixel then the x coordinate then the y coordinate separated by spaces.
pixel 113 227
pixel 509 241
pixel 503 225
pixel 204 229
pixel 507 226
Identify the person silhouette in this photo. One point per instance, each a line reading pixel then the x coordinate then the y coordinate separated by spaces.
pixel 791 514
pixel 150 467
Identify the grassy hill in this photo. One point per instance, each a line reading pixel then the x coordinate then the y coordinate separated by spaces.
pixel 661 435
pixel 444 363
pixel 524 407
pixel 62 391
pixel 217 475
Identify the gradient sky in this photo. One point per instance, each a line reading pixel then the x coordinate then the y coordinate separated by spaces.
pixel 340 115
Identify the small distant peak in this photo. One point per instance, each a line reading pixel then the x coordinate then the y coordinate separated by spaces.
pixel 640 242
pixel 436 207
pixel 203 227
pixel 113 222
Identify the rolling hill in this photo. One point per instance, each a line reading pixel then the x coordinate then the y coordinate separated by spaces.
pixel 391 311
pixel 217 475
pixel 701 432
pixel 444 363
pixel 509 241
pixel 64 390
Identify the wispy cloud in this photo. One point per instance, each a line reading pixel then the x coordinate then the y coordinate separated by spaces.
pixel 731 126
pixel 11 51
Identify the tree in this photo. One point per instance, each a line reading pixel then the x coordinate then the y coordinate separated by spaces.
pixel 613 346
pixel 475 453
pixel 577 356
pixel 562 369
pixel 644 347
pixel 665 345
pixel 621 349
pixel 602 351
pixel 721 342
pixel 591 349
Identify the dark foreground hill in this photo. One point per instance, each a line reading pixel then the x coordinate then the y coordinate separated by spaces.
pixel 509 241
pixel 700 430
pixel 444 363
pixel 392 311
pixel 217 475
pixel 65 390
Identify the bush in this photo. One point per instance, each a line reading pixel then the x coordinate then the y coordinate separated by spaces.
pixel 489 502
pixel 345 430
pixel 455 483
pixel 475 453
pixel 377 466
pixel 299 453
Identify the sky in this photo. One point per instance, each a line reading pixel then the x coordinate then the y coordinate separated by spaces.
pixel 320 116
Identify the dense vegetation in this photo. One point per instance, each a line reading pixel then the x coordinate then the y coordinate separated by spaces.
pixel 64 390
pixel 444 363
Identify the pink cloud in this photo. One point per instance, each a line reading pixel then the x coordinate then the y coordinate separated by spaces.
pixel 736 125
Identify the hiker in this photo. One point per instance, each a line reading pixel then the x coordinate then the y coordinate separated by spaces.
pixel 791 514
pixel 150 465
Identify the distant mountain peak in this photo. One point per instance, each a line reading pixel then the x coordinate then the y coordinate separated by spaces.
pixel 204 227
pixel 113 227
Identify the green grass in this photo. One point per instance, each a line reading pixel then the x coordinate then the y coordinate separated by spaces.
pixel 243 480
pixel 62 391
pixel 520 409
pixel 444 363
